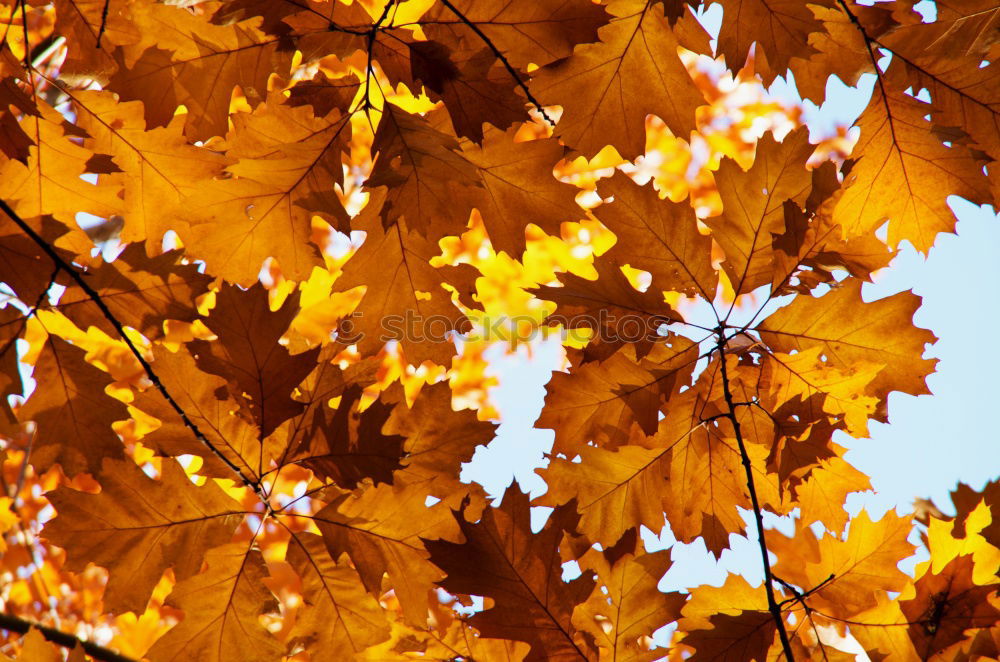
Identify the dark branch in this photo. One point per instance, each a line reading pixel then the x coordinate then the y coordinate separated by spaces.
pixel 60 638
pixel 94 296
pixel 503 59
pixel 772 604
pixel 104 22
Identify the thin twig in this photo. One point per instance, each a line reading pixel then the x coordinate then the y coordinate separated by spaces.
pixel 503 60
pixel 104 22
pixel 60 638
pixel 153 377
pixel 772 604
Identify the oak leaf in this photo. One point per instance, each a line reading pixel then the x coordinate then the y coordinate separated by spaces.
pixel 72 413
pixel 607 89
pixel 173 525
pixel 221 608
pixel 520 571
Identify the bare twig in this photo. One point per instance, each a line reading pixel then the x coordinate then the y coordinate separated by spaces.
pixel 104 22
pixel 60 638
pixel 503 59
pixel 772 604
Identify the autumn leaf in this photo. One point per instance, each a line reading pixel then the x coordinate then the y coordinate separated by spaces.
pixel 221 606
pixel 332 588
pixel 607 89
pixel 73 417
pixel 520 571
pixel 173 527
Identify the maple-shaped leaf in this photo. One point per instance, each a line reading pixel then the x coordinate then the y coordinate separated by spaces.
pixel 320 29
pixel 407 302
pixel 812 245
pixel 657 235
pixel 518 187
pixel 627 599
pixel 967 499
pixel 348 445
pixel 802 376
pixel 50 183
pixel 338 615
pixel 946 604
pixel 882 334
pixel 896 155
pixel 222 606
pixel 820 497
pixel 173 525
pixel 247 354
pixel 437 439
pixel 730 622
pixel 838 49
pixel 424 174
pixel 753 206
pixel 960 28
pixel 72 413
pixel 780 28
pixel 183 59
pixel 141 292
pixel 600 402
pixel 381 528
pixel 14 142
pixel 521 572
pixel 24 266
pixel 611 307
pixel 962 85
pixel 688 469
pixel 81 21
pixel 523 31
pixel 474 87
pixel 206 403
pixel 159 168
pixel 863 563
pixel 608 88
pixel 286 165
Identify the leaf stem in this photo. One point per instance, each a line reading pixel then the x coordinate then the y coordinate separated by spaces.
pixel 60 638
pixel 772 603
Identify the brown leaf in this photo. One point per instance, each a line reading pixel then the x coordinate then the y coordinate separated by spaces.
pixel 897 154
pixel 518 187
pixel 521 572
pixel 600 402
pixel 184 59
pixel 338 615
pixel 627 599
pixel 607 89
pixel 172 525
pixel 882 334
pixel 247 354
pixel 407 302
pixel 140 292
pixel 753 206
pixel 658 236
pixel 286 165
pixel 221 609
pixel 71 411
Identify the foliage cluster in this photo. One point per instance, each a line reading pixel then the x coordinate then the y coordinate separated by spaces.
pixel 212 209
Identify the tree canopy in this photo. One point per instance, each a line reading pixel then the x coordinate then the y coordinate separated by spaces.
pixel 254 253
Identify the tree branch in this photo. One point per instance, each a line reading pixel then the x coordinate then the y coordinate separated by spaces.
pixel 94 296
pixel 503 59
pixel 772 604
pixel 60 638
